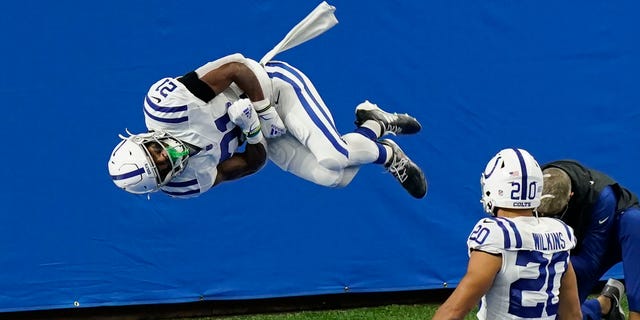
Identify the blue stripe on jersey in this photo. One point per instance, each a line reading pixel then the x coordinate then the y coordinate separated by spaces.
pixel 182 183
pixel 311 113
pixel 167 120
pixel 566 227
pixel 164 109
pixel 158 108
pixel 505 232
pixel 524 194
pixel 128 174
pixel 184 193
pixel 298 76
pixel 516 232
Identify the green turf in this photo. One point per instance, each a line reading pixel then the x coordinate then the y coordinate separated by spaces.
pixel 391 312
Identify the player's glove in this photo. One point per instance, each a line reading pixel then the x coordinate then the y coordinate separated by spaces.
pixel 243 114
pixel 272 125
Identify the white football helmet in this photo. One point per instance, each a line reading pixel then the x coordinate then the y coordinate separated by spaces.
pixel 512 179
pixel 132 167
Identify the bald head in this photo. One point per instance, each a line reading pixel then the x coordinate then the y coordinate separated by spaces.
pixel 555 193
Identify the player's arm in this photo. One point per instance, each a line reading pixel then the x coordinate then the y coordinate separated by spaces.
pixel 243 115
pixel 216 76
pixel 249 76
pixel 569 305
pixel 236 72
pixel 481 271
pixel 242 164
pixel 593 245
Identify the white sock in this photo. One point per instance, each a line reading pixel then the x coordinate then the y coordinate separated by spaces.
pixel 373 126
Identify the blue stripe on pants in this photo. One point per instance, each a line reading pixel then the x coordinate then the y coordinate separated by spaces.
pixel 306 104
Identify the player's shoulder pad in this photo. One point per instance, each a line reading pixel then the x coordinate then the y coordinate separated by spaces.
pixel 168 92
pixel 488 235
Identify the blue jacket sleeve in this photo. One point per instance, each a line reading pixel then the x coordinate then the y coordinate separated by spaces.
pixel 588 261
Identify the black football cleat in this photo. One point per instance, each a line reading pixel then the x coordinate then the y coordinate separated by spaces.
pixel 614 290
pixel 405 171
pixel 390 122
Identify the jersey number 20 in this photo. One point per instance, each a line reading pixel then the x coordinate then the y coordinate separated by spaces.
pixel 548 281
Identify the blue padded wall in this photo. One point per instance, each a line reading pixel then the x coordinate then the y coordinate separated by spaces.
pixel 556 78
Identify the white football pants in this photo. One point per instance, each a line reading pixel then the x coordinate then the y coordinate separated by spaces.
pixel 313 149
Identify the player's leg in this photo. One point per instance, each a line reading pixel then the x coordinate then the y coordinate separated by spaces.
pixel 292 156
pixel 607 304
pixel 307 118
pixel 388 154
pixel 586 275
pixel 374 123
pixel 629 238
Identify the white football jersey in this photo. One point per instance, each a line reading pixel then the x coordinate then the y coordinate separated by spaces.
pixel 535 254
pixel 170 107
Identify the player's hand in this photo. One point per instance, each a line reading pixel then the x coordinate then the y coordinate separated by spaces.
pixel 245 116
pixel 271 123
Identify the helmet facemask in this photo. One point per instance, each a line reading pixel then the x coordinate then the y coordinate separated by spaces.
pixel 174 150
pixel 145 151
pixel 486 199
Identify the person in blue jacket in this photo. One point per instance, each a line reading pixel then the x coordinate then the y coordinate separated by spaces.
pixel 606 219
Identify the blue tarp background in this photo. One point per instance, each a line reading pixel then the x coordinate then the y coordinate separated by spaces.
pixel 557 78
